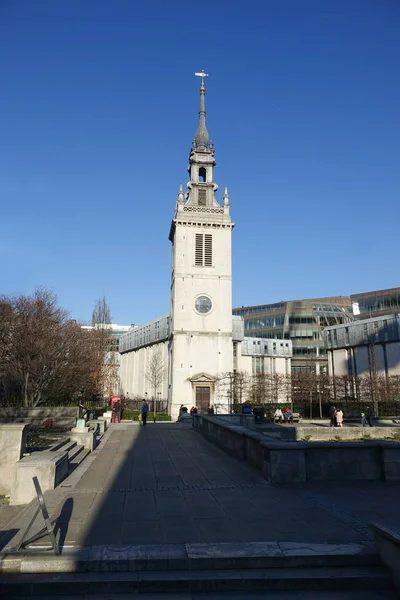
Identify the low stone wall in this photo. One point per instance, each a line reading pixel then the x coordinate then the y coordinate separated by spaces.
pixel 289 433
pixel 12 446
pixel 50 467
pixel 288 462
pixel 49 416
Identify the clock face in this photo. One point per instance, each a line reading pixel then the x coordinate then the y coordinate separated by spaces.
pixel 203 304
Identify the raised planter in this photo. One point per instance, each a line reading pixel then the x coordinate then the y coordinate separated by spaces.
pixel 290 462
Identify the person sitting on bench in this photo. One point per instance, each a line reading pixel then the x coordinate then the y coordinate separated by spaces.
pixel 288 415
pixel 278 415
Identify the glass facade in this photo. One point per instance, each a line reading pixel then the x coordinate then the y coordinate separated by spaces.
pixel 377 303
pixel 302 322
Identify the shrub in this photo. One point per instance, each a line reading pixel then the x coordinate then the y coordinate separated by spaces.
pixel 131 415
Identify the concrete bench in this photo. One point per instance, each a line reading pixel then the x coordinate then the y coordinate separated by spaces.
pixel 49 466
pixel 387 542
pixel 12 446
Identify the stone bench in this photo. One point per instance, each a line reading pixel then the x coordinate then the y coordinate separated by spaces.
pixel 387 542
pixel 12 446
pixel 50 467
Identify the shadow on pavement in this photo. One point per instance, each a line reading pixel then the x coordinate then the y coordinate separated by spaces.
pixel 62 521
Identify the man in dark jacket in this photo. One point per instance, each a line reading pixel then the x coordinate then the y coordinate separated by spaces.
pixel 144 411
pixel 332 413
pixel 370 415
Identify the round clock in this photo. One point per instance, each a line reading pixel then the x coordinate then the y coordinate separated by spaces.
pixel 203 304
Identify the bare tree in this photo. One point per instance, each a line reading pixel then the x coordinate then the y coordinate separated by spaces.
pixel 43 353
pixel 106 359
pixel 232 386
pixel 156 372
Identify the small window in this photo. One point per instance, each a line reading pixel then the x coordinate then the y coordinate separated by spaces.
pixel 202 174
pixel 202 198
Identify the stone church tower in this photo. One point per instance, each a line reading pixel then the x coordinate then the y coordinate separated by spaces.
pixel 200 346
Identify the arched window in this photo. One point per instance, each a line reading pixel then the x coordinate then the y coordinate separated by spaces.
pixel 202 174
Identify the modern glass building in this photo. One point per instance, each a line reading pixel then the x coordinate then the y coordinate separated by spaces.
pixel 376 304
pixel 302 322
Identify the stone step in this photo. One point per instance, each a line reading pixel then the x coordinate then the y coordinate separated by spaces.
pixel 66 446
pixel 245 580
pixel 58 445
pixel 78 455
pixel 263 595
pixel 189 557
pixel 74 452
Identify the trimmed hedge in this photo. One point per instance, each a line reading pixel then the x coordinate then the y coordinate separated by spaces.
pixel 385 409
pixel 134 416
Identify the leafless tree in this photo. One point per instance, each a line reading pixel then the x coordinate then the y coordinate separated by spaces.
pixel 43 353
pixel 156 372
pixel 232 387
pixel 106 360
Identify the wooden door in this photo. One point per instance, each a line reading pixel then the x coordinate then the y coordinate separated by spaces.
pixel 203 398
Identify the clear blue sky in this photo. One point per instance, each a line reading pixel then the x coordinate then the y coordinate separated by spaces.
pixel 98 108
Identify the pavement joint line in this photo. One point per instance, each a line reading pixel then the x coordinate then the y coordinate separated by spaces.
pixel 175 488
pixel 339 513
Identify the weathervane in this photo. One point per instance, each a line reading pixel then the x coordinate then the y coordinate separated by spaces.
pixel 202 75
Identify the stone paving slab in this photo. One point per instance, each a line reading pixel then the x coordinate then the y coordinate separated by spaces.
pixel 167 484
pixel 275 595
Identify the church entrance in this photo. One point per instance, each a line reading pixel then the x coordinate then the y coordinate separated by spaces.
pixel 203 398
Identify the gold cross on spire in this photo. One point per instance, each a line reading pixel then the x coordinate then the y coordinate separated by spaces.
pixel 202 75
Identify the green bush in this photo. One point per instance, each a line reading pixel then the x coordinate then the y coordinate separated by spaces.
pixel 133 415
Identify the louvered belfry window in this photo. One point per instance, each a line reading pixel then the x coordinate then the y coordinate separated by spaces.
pixel 203 250
pixel 202 198
pixel 208 250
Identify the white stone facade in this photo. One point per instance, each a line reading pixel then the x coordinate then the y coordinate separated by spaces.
pixel 197 342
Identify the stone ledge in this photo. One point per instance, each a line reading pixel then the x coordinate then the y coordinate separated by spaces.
pixel 189 557
pixel 387 542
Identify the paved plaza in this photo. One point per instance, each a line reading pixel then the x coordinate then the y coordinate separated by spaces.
pixel 166 484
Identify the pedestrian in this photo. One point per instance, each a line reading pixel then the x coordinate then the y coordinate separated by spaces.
pixel 370 415
pixel 363 419
pixel 288 415
pixel 278 415
pixel 144 411
pixel 339 417
pixel 180 415
pixel 332 414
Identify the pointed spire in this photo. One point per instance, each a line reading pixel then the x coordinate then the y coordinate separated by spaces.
pixel 180 194
pixel 226 196
pixel 201 138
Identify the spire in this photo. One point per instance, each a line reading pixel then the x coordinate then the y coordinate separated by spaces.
pixel 226 196
pixel 180 194
pixel 201 138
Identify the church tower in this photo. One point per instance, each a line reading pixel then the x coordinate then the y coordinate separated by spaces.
pixel 200 347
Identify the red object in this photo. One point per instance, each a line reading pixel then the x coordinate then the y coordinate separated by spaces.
pixel 116 414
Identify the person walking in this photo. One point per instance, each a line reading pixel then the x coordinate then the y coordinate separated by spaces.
pixel 332 414
pixel 370 415
pixel 339 417
pixel 144 411
pixel 363 419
